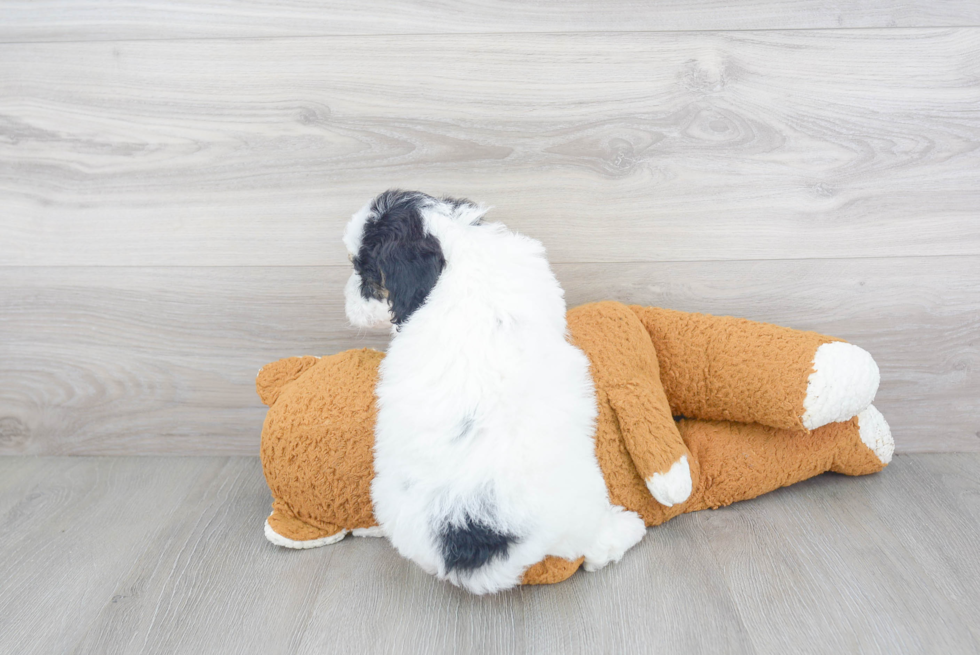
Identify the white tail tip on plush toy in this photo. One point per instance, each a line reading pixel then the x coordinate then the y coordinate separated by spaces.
pixel 843 383
pixel 876 434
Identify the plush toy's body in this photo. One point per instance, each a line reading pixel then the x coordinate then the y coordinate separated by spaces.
pixel 747 394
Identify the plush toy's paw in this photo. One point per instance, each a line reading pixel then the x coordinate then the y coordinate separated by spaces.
pixel 876 434
pixel 301 535
pixel 674 486
pixel 621 531
pixel 551 570
pixel 843 383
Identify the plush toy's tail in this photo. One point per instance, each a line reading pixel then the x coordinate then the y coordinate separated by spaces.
pixel 274 376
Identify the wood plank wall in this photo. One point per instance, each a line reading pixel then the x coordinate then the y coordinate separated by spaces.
pixel 174 179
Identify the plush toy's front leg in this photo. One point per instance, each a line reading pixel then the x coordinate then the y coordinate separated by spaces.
pixel 724 368
pixel 626 373
pixel 654 443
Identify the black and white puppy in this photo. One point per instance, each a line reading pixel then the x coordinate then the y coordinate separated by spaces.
pixel 484 455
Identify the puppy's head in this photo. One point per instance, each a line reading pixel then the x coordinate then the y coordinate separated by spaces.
pixel 392 242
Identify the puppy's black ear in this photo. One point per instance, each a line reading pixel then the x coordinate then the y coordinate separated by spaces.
pixel 410 268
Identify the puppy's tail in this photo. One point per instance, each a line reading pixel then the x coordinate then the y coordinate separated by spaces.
pixel 472 544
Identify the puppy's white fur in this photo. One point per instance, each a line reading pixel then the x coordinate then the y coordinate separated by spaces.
pixel 485 410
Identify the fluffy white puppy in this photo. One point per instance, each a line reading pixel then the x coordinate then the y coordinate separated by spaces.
pixel 484 454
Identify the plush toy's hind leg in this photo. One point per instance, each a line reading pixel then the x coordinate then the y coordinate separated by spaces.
pixel 843 383
pixel 724 368
pixel 867 446
pixel 283 529
pixel 741 461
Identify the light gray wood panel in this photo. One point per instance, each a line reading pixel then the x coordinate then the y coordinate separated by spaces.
pixel 608 147
pixel 937 500
pixel 124 361
pixel 17 475
pixel 70 534
pixel 163 360
pixel 853 584
pixel 637 606
pixel 51 20
pixel 167 555
pixel 919 318
pixel 214 569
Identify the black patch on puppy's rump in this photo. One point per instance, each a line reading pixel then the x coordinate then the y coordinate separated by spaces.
pixel 471 545
pixel 398 260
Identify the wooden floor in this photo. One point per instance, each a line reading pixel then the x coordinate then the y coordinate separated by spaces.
pixel 166 555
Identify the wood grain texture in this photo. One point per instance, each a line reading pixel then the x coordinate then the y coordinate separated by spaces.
pixel 944 496
pixel 62 20
pixel 163 360
pixel 608 147
pixel 166 555
pixel 852 580
pixel 71 535
pixel 173 595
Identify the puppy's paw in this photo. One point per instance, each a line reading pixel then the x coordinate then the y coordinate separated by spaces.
pixel 843 383
pixel 674 486
pixel 621 531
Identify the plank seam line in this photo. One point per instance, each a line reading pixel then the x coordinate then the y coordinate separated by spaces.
pixel 632 262
pixel 468 34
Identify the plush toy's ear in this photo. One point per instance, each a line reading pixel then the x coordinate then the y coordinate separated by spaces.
pixel 410 267
pixel 273 377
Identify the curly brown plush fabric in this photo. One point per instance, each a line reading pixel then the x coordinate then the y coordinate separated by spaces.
pixel 318 442
pixel 731 369
pixel 649 365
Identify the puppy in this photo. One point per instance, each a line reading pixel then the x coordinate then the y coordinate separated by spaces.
pixel 484 454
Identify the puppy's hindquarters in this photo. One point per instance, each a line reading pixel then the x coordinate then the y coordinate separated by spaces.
pixel 479 552
pixel 490 507
pixel 472 543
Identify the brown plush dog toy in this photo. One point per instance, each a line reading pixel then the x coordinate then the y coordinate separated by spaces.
pixel 759 406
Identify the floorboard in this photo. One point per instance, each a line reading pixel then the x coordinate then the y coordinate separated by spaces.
pixel 843 582
pixel 607 147
pixel 166 555
pixel 65 20
pixel 109 361
pixel 71 535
